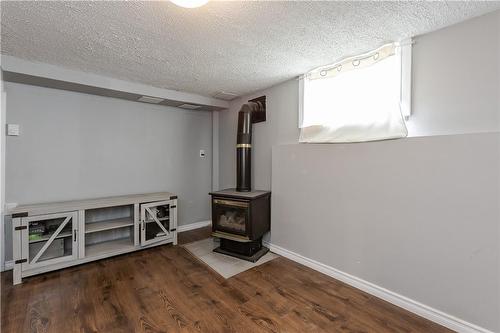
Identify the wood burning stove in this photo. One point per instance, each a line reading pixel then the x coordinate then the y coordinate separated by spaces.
pixel 241 216
pixel 240 219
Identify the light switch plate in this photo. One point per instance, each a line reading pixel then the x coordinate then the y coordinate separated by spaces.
pixel 12 129
pixel 202 153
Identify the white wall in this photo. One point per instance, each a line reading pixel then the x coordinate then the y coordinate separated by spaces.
pixel 450 96
pixel 75 146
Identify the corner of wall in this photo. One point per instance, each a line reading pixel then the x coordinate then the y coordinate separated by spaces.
pixel 3 97
pixel 215 150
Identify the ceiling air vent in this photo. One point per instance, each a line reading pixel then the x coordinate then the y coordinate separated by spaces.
pixel 189 106
pixel 149 99
pixel 225 96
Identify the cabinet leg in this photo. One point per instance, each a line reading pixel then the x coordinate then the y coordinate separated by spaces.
pixel 16 247
pixel 175 238
pixel 16 276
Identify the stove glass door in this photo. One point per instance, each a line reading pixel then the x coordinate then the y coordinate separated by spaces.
pixel 231 216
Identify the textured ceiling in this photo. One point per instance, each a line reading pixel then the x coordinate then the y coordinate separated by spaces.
pixel 236 47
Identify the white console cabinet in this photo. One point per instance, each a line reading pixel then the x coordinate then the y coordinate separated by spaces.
pixel 52 236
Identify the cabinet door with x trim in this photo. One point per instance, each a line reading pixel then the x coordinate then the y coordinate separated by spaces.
pixel 157 221
pixel 49 239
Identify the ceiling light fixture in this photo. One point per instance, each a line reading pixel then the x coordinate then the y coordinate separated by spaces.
pixel 189 3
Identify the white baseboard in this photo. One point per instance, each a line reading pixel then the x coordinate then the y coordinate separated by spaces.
pixel 406 303
pixel 192 226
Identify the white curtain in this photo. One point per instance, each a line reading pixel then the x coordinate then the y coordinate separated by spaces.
pixel 355 100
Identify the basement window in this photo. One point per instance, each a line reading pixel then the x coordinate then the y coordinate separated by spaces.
pixel 361 98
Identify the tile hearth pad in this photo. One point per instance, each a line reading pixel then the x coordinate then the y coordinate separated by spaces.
pixel 224 265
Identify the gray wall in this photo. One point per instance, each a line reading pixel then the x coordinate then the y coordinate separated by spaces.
pixel 456 75
pixel 75 146
pixel 450 96
pixel 417 216
pixel 280 127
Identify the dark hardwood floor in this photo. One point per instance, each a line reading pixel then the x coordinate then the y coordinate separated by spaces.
pixel 165 289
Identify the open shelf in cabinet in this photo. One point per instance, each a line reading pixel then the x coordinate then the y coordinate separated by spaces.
pixel 109 240
pixel 117 245
pixel 109 224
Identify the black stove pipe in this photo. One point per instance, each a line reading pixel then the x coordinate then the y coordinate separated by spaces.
pixel 244 146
